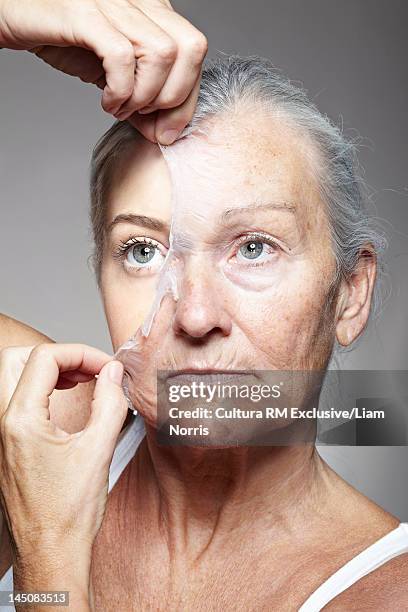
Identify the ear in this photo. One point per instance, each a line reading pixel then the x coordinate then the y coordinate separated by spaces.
pixel 354 298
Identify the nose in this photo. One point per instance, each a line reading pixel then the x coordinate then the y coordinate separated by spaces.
pixel 201 308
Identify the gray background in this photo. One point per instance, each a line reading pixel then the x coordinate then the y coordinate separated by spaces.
pixel 351 57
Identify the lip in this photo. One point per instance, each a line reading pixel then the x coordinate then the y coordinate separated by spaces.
pixel 190 373
pixel 207 371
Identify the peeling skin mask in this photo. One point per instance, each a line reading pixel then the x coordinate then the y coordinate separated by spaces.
pixel 244 278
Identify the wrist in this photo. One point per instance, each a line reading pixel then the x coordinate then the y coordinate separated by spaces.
pixel 73 600
pixel 42 572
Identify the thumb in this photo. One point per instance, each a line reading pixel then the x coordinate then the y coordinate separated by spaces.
pixel 109 406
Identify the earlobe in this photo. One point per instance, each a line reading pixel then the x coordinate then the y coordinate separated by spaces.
pixel 344 333
pixel 355 299
pixel 343 319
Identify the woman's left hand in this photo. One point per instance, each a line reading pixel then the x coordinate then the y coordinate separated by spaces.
pixel 54 485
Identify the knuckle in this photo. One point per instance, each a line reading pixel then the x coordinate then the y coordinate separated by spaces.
pixel 9 427
pixel 41 351
pixel 9 355
pixel 15 429
pixel 166 51
pixel 137 100
pixel 122 53
pixel 197 47
pixel 107 105
pixel 120 94
pixel 171 100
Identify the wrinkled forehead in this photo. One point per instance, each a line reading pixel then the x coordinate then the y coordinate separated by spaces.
pixel 227 164
pixel 231 167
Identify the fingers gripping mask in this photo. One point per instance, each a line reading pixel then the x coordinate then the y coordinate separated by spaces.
pixel 232 242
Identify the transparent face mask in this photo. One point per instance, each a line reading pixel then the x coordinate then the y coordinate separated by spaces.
pixel 233 243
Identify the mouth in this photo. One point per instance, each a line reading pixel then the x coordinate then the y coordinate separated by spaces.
pixel 210 375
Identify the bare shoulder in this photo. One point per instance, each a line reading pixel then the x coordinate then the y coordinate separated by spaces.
pixel 13 332
pixel 382 589
pixel 361 523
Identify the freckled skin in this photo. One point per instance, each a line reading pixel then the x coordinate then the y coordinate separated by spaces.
pixel 282 324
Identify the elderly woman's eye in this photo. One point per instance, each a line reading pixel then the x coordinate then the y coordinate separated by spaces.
pixel 256 251
pixel 252 250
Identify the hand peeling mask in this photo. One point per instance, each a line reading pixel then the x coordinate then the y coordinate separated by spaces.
pixel 245 280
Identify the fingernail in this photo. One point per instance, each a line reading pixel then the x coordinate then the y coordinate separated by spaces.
pixel 168 137
pixel 115 372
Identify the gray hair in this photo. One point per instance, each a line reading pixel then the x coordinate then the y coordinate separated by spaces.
pixel 230 80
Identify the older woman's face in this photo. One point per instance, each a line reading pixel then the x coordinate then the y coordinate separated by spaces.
pixel 261 303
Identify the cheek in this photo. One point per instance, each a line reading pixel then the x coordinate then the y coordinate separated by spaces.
pixel 287 325
pixel 127 301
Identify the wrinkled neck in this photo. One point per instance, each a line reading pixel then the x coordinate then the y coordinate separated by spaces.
pixel 200 495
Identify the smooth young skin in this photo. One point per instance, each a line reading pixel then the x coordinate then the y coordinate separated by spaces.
pixel 143 55
pixel 257 528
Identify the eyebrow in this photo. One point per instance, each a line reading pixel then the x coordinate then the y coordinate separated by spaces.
pixel 281 206
pixel 141 220
pixel 161 226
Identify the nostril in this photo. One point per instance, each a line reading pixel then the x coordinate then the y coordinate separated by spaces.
pixel 200 320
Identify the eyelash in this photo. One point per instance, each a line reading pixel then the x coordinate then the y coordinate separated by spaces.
pixel 124 246
pixel 258 237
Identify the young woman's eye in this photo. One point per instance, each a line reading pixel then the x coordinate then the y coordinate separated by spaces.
pixel 141 254
pixel 144 255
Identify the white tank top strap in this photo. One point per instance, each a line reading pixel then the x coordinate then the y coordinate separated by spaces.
pixel 6 584
pixel 389 546
pixel 126 446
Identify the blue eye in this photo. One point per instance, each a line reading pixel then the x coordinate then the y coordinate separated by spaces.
pixel 142 253
pixel 256 251
pixel 252 249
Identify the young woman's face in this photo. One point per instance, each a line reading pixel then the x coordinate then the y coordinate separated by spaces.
pixel 260 303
